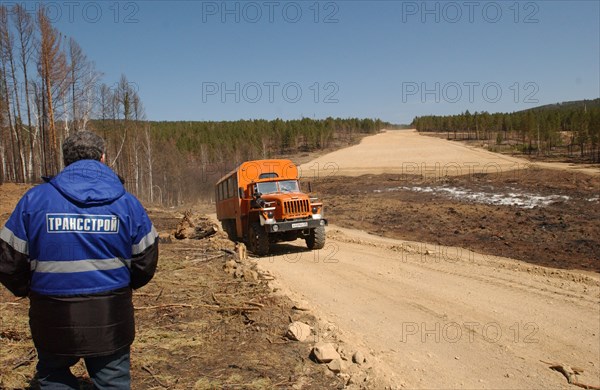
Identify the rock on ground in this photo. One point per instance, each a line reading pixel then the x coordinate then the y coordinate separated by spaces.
pixel 298 331
pixel 325 352
pixel 358 357
pixel 337 366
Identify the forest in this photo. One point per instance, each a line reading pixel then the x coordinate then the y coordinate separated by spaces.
pixel 569 130
pixel 49 88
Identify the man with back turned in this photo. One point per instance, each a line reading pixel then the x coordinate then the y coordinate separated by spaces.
pixel 76 246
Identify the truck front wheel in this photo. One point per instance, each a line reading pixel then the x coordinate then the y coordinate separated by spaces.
pixel 258 240
pixel 316 238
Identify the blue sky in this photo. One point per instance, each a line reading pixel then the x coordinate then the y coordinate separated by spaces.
pixel 394 60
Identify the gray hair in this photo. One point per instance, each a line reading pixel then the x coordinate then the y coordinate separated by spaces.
pixel 82 145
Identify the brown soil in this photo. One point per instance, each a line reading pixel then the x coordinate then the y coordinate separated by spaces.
pixel 9 196
pixel 563 234
pixel 197 326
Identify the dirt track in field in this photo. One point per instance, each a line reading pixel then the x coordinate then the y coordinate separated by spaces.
pixel 433 312
pixel 409 153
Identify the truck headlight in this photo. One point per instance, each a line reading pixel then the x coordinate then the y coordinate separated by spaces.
pixel 275 228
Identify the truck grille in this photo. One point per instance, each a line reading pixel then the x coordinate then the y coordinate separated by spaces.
pixel 295 207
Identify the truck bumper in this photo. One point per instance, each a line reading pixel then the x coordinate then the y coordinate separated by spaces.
pixel 295 225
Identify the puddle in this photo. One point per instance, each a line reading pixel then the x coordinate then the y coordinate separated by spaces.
pixel 522 200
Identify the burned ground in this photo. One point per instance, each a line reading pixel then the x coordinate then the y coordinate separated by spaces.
pixel 544 217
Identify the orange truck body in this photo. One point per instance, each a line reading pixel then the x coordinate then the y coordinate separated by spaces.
pixel 260 202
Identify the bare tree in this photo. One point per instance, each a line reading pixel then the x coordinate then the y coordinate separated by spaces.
pixel 138 108
pixel 105 99
pixel 138 115
pixel 149 161
pixel 2 154
pixel 39 112
pixel 25 29
pixel 53 70
pixel 34 133
pixel 88 95
pixel 11 92
pixel 125 97
pixel 82 79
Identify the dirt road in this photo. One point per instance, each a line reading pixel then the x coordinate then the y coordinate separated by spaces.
pixel 443 317
pixel 408 152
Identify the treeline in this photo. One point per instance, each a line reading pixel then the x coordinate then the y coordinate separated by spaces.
pixel 48 89
pixel 246 139
pixel 178 162
pixel 569 129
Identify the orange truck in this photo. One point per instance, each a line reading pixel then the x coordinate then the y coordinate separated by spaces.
pixel 260 202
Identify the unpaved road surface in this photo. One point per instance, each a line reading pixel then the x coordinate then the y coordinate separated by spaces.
pixel 408 152
pixel 439 321
pixel 445 317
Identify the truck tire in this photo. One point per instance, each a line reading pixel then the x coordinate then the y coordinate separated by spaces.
pixel 316 238
pixel 229 228
pixel 258 240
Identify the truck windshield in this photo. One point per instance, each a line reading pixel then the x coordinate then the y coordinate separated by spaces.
pixel 288 186
pixel 271 187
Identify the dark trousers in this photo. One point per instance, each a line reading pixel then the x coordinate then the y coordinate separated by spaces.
pixel 106 372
